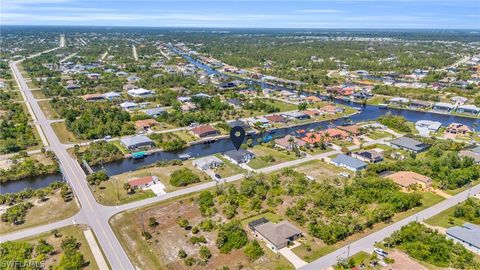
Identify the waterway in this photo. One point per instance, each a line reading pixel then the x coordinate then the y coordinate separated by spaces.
pixel 32 182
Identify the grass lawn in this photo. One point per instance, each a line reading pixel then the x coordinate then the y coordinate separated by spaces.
pixel 443 219
pixel 319 170
pixel 186 135
pixel 283 106
pixel 50 113
pixel 270 216
pixel 74 230
pixel 53 209
pixel 261 152
pixel 38 94
pixel 39 140
pixel 106 193
pixel 120 147
pixel 378 134
pixel 63 134
pixel 228 168
pixel 318 249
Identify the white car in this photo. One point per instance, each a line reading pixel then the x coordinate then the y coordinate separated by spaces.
pixel 380 252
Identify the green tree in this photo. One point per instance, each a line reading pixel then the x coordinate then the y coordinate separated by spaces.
pixel 253 250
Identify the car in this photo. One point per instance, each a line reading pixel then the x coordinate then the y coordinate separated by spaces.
pixel 108 137
pixel 218 176
pixel 380 252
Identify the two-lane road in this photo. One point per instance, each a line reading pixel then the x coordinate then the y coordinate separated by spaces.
pixel 76 177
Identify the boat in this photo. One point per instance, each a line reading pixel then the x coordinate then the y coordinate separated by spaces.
pixel 184 156
pixel 138 155
pixel 383 106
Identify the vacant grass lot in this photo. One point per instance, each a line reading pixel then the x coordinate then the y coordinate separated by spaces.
pixel 319 170
pixel 63 134
pixel 446 219
pixel 49 112
pixel 266 156
pixel 77 232
pixel 53 209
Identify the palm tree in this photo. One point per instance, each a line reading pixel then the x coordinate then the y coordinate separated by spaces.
pixel 312 137
pixel 291 142
pixel 127 187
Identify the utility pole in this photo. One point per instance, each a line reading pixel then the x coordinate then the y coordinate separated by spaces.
pixel 348 252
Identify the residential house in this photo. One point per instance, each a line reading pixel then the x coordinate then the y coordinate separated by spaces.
pixel 296 115
pixel 312 137
pixel 398 101
pixel 348 162
pixel 184 99
pixel 93 76
pixel 276 118
pixel 458 129
pixel 369 156
pixel 204 131
pixel 409 144
pixel 129 105
pixel 154 112
pixel 353 130
pixel 93 97
pixel 407 178
pixel 71 85
pixel 459 100
pixel 239 156
pixel 336 134
pixel 143 182
pixel 313 99
pixel 128 87
pixel 276 236
pixel 258 121
pixel 207 163
pixel 188 107
pixel 145 123
pixel 140 92
pixel 472 109
pixel 238 123
pixel 121 74
pixel 468 235
pixel 289 142
pixel 111 95
pixel 331 109
pixel 235 102
pixel 470 154
pixel 312 112
pixel 443 107
pixel 136 142
pixel 417 104
pixel 424 127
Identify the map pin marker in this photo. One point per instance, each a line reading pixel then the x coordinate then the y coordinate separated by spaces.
pixel 237 135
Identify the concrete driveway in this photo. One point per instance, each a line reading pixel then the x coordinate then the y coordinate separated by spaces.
pixel 292 257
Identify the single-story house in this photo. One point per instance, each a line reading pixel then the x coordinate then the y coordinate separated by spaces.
pixel 468 109
pixel 140 92
pixel 312 112
pixel 238 123
pixel 111 95
pixel 261 121
pixel 206 163
pixel 129 105
pixel 93 97
pixel 188 106
pixel 459 100
pixel 398 101
pixel 128 87
pixel 72 86
pixel 235 102
pixel 121 74
pixel 276 118
pixel 313 99
pixel 349 162
pixel 409 144
pixel 331 109
pixel 296 115
pixel 137 141
pixel 204 131
pixel 424 127
pixel 184 99
pixel 369 156
pixel 143 182
pixel 154 112
pixel 442 106
pixel 335 133
pixel 145 123
pixel 287 143
pixel 468 235
pixel 406 179
pixel 456 128
pixel 354 130
pixel 417 104
pixel 276 236
pixel 239 156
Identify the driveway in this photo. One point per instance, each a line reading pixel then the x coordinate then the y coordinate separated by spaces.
pixel 292 257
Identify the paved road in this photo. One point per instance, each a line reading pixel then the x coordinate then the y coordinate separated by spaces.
pixel 366 243
pixel 76 177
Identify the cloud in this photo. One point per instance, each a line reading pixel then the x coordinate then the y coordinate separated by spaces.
pixel 318 11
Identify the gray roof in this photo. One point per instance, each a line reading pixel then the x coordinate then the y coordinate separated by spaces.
pixel 409 143
pixel 154 111
pixel 349 161
pixel 279 233
pixel 135 140
pixel 468 233
pixel 238 155
pixel 207 161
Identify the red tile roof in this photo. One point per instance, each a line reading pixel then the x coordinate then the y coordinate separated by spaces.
pixel 140 181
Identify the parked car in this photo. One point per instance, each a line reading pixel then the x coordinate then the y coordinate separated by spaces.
pixel 380 252
pixel 218 176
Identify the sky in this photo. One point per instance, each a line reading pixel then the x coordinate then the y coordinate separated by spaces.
pixel 409 14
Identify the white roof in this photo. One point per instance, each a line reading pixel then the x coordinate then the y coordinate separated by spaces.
pixel 139 91
pixel 470 107
pixel 443 104
pixel 127 104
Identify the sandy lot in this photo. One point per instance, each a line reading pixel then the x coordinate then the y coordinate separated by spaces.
pixel 403 262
